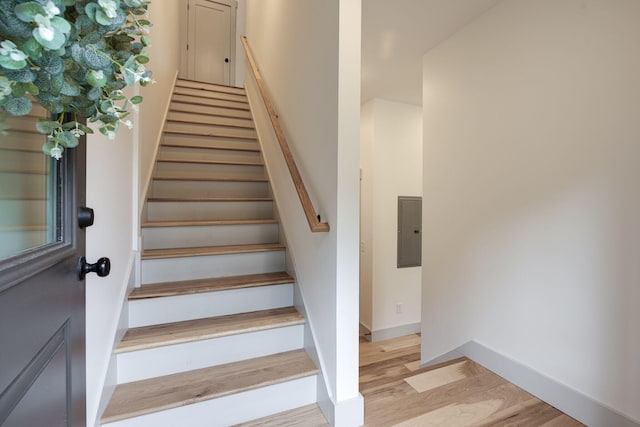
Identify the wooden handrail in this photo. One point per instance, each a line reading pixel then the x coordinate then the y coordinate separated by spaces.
pixel 312 217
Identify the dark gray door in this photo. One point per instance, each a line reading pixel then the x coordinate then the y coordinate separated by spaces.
pixel 409 231
pixel 42 306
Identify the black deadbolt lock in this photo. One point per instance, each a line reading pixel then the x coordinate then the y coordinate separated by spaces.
pixel 85 217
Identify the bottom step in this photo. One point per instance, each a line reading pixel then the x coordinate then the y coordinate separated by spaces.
pixel 153 401
pixel 307 416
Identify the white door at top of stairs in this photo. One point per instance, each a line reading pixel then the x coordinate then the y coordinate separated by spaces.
pixel 211 28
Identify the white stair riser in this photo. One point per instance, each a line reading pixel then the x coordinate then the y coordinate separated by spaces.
pixel 174 211
pixel 23 212
pixel 161 188
pixel 194 236
pixel 234 408
pixel 154 311
pixel 202 109
pixel 174 139
pixel 210 86
pixel 186 153
pixel 210 101
pixel 190 117
pixel 174 269
pixel 219 131
pixel 144 364
pixel 213 171
pixel 203 94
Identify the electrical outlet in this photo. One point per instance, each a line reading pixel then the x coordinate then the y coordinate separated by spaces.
pixel 398 308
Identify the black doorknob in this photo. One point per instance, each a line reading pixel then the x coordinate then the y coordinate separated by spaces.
pixel 226 60
pixel 102 268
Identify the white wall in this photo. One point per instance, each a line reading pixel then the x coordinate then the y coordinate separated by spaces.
pixel 112 193
pixel 115 179
pixel 164 53
pixel 391 162
pixel 532 141
pixel 309 55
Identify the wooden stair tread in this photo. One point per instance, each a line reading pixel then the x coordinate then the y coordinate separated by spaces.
pixel 210 199
pixel 307 416
pixel 187 287
pixel 210 119
pixel 210 86
pixel 209 133
pixel 210 102
pixel 210 250
pixel 209 146
pixel 206 178
pixel 153 336
pixel 182 106
pixel 204 223
pixel 172 391
pixel 210 94
pixel 210 162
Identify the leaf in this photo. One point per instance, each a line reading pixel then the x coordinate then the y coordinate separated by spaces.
pixel 21 76
pixel 68 139
pixel 18 106
pixel 12 64
pixel 136 99
pixel 27 11
pixel 143 58
pixel 55 43
pixel 94 93
pixel 96 60
pixel 70 88
pixel 146 41
pixel 46 126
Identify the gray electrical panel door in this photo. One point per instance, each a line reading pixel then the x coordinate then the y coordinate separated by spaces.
pixel 409 231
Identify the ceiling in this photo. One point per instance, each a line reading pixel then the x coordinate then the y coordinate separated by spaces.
pixel 395 36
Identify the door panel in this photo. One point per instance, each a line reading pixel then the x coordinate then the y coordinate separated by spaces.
pixel 210 42
pixel 42 380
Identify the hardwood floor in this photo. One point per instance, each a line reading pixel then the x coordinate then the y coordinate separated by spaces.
pixel 459 393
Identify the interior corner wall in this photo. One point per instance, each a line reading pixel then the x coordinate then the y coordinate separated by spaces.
pixel 531 148
pixel 164 54
pixel 241 30
pixel 391 162
pixel 367 136
pixel 309 57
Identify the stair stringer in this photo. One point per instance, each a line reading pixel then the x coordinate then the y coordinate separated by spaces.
pixel 350 412
pixel 310 344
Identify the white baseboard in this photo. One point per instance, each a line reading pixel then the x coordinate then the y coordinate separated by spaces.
pixel 348 413
pixel 395 332
pixel 570 401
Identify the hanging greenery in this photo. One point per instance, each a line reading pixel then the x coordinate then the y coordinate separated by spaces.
pixel 74 57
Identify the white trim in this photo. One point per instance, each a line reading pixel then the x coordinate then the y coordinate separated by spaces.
pixel 581 407
pixel 347 413
pixel 147 181
pixel 109 376
pixel 395 332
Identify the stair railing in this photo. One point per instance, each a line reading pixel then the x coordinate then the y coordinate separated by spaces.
pixel 312 217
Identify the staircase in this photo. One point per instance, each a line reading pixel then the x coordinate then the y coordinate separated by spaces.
pixel 213 339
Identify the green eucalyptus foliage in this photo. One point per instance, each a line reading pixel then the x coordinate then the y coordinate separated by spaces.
pixel 74 57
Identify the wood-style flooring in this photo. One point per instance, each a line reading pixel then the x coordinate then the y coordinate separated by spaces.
pixel 459 393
